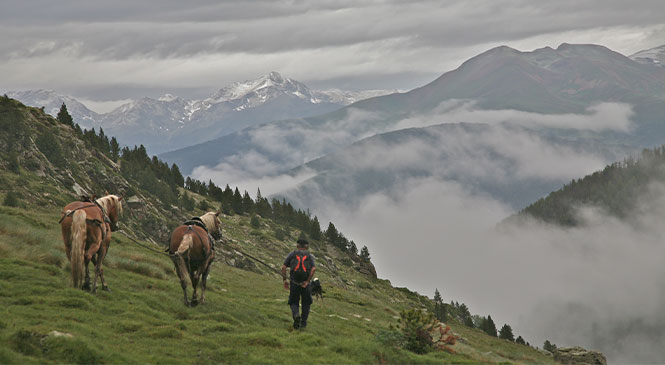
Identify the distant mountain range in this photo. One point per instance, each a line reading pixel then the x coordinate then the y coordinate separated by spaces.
pixel 653 56
pixel 171 122
pixel 554 83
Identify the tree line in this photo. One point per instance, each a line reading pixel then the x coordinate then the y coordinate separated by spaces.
pixel 460 313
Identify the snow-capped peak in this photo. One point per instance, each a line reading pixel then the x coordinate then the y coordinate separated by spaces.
pixel 251 93
pixel 167 98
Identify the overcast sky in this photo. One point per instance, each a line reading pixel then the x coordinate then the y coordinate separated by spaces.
pixel 107 51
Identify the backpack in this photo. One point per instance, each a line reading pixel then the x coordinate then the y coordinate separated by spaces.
pixel 301 266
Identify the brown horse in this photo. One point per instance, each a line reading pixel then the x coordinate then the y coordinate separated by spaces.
pixel 86 229
pixel 191 253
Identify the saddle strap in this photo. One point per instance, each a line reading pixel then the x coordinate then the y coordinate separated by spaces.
pixel 71 211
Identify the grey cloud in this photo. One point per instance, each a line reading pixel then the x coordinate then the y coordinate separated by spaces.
pixel 179 29
pixel 209 44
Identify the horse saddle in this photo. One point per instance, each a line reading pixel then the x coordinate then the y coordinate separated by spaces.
pixel 196 221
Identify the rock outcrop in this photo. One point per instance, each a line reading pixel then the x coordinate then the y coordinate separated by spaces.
pixel 577 355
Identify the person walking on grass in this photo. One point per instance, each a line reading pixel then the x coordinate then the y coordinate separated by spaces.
pixel 302 268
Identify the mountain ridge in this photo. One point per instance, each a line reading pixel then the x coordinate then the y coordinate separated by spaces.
pixel 158 122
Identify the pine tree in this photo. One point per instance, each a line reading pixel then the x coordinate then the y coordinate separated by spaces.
pixel 488 326
pixel 439 307
pixel 64 117
pixel 178 179
pixel 315 229
pixel 332 235
pixel 115 149
pixel 247 203
pixel 520 340
pixel 548 346
pixel 506 333
pixel 353 248
pixel 364 254
pixel 236 203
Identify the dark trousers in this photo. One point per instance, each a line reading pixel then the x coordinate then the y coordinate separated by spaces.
pixel 298 294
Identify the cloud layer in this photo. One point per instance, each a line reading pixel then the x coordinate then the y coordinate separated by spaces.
pixel 72 45
pixel 599 286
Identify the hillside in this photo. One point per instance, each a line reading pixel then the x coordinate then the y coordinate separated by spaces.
pixel 143 320
pixel 618 190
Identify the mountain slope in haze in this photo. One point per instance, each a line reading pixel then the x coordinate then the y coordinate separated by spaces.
pixel 246 319
pixel 653 56
pixel 52 101
pixel 619 190
pixel 569 79
pixel 479 157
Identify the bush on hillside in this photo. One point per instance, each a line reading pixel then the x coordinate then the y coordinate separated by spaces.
pixel 12 162
pixel 50 147
pixel 11 199
pixel 423 332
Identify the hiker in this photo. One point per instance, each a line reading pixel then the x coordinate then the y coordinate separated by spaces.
pixel 302 266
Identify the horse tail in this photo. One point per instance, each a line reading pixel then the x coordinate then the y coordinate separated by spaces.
pixel 78 246
pixel 186 243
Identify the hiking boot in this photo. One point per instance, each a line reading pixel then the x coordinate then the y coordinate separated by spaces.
pixel 296 322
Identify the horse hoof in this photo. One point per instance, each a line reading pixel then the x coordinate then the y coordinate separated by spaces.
pixel 194 303
pixel 106 288
pixel 86 287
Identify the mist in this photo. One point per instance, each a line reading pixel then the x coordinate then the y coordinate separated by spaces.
pixel 599 286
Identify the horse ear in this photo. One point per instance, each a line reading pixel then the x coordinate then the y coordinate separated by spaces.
pixel 120 198
pixel 106 192
pixel 217 213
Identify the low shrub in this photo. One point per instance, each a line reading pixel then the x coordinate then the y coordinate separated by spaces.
pixel 423 332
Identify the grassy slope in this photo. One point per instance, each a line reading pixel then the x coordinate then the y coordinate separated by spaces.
pixel 246 319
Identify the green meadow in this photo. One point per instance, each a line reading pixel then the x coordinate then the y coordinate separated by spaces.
pixel 245 320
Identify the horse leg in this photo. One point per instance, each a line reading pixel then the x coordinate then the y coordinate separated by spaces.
pixel 194 276
pixel 102 255
pixel 181 269
pixel 98 266
pixel 204 278
pixel 86 284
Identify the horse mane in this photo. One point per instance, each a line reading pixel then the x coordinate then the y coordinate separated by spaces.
pixel 209 220
pixel 110 201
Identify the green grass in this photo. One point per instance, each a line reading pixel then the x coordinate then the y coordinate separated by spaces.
pixel 246 319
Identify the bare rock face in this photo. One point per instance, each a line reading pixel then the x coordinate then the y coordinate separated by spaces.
pixel 577 355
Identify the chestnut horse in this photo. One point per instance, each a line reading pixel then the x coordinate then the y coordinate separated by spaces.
pixel 86 229
pixel 191 252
